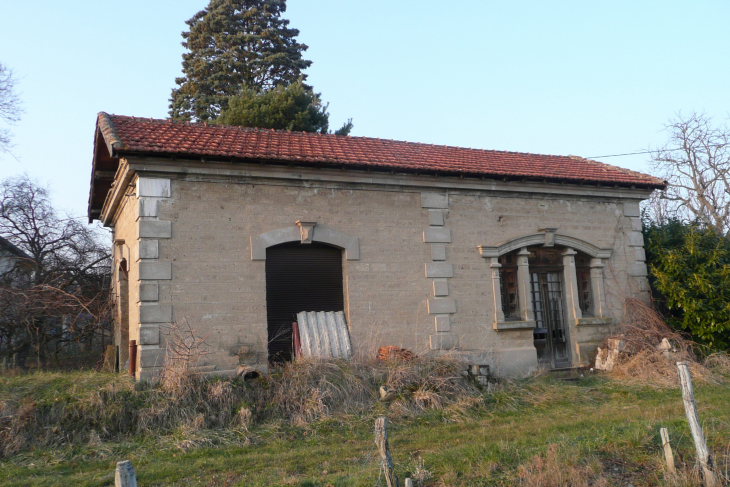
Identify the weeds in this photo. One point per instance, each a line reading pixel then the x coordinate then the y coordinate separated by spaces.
pixel 188 405
pixel 551 470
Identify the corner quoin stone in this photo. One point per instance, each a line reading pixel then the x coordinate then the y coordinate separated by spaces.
pixel 155 229
pixel 440 287
pixel 149 335
pixel 147 207
pixel 148 249
pixel 438 251
pixel 150 356
pixel 437 235
pixel 149 291
pixel 155 187
pixel 443 323
pixel 153 271
pixel 439 269
pixel 155 313
pixel 436 218
pixel 441 306
pixel 443 341
pixel 632 208
pixel 434 200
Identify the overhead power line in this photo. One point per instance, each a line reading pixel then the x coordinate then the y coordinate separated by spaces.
pixel 619 155
pixel 631 153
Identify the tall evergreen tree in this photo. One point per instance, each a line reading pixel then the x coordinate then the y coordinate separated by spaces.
pixel 235 45
pixel 293 107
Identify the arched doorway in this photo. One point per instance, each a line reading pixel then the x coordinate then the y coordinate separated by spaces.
pixel 548 305
pixel 540 297
pixel 299 277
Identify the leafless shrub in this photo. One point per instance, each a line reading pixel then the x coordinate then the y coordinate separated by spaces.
pixel 642 329
pixel 184 347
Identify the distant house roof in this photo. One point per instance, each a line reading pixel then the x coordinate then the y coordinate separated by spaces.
pixel 144 136
pixel 7 246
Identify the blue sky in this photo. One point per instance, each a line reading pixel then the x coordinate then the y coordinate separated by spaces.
pixel 582 77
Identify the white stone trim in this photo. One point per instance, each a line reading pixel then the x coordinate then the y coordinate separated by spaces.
pixel 488 251
pixel 153 187
pixel 350 244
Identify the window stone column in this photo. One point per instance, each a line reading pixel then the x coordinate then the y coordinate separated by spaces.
pixel 523 285
pixel 496 291
pixel 572 304
pixel 598 289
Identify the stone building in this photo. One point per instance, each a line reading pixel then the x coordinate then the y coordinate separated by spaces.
pixel 514 260
pixel 16 266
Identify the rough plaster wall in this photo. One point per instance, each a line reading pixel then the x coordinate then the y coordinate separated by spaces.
pixel 126 228
pixel 217 288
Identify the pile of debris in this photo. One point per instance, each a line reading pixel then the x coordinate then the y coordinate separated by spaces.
pixel 644 348
pixel 608 356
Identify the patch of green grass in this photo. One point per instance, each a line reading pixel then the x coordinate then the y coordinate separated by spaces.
pixel 595 422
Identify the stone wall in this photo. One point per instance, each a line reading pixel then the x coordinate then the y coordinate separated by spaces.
pixel 419 281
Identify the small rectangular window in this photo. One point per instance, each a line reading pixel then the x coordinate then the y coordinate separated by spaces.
pixel 508 285
pixel 585 295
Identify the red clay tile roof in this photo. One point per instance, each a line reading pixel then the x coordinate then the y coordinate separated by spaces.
pixel 144 135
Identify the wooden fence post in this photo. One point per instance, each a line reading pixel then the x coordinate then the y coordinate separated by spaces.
pixel 690 409
pixel 381 440
pixel 409 482
pixel 667 451
pixel 124 476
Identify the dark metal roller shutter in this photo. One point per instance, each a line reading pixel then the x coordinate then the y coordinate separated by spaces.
pixel 299 277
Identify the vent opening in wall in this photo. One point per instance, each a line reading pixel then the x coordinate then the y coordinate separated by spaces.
pixel 299 277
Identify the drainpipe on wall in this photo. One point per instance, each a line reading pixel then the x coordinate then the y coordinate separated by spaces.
pixel 133 358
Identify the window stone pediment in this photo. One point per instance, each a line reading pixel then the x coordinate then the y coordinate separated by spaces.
pixel 350 244
pixel 487 251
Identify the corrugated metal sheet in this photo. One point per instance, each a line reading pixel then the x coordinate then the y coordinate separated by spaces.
pixel 324 334
pixel 299 277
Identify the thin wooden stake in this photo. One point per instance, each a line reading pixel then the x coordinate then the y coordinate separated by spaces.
pixel 667 451
pixel 125 476
pixel 409 482
pixel 690 409
pixel 381 440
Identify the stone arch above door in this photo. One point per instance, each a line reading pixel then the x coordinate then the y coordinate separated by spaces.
pixel 305 232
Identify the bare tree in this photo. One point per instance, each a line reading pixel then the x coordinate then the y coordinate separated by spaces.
pixel 10 109
pixel 696 164
pixel 64 298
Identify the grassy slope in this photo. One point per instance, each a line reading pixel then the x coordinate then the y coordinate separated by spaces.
pixel 597 422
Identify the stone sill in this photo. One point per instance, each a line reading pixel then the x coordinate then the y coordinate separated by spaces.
pixel 594 321
pixel 514 325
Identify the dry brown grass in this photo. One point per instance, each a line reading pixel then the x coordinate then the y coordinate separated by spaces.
pixel 642 329
pixel 190 405
pixel 310 389
pixel 551 470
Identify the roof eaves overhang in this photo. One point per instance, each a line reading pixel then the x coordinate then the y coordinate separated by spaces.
pixel 381 168
pixel 104 164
